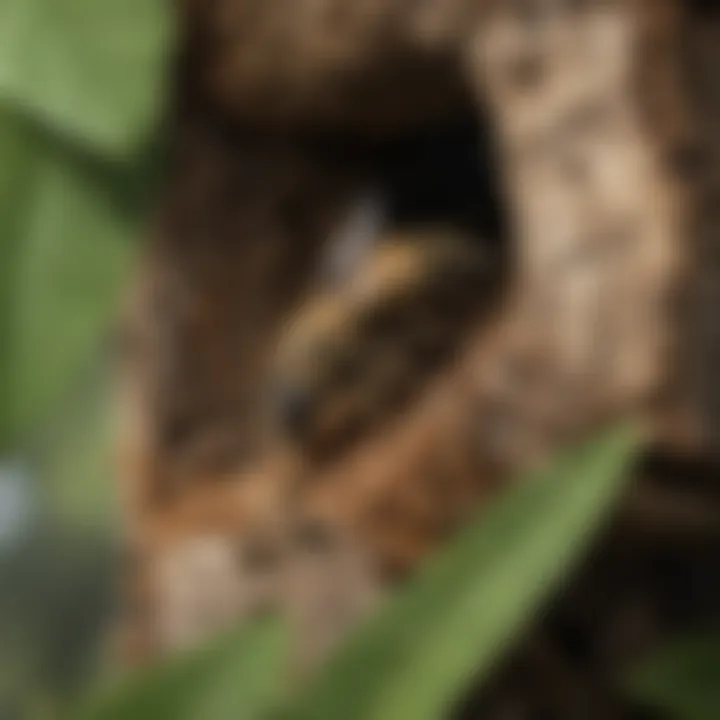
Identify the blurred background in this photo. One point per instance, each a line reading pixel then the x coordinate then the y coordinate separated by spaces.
pixel 80 84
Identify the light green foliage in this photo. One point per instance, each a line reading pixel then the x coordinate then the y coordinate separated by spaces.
pixel 90 70
pixel 81 82
pixel 68 250
pixel 74 457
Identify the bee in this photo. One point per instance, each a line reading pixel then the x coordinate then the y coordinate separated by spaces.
pixel 356 354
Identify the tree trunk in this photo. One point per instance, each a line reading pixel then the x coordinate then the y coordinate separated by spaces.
pixel 604 115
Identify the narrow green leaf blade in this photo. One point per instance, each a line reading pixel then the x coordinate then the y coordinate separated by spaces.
pixel 450 626
pixel 236 677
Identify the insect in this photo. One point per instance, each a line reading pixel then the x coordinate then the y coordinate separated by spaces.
pixel 351 356
pixel 277 133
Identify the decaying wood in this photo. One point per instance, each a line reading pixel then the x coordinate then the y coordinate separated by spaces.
pixel 608 311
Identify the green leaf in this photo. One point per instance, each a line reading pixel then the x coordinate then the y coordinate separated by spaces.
pixel 89 69
pixel 683 680
pixel 65 248
pixel 235 678
pixel 448 628
pixel 15 169
pixel 72 456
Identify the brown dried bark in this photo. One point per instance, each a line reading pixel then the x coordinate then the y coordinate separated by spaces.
pixel 603 114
